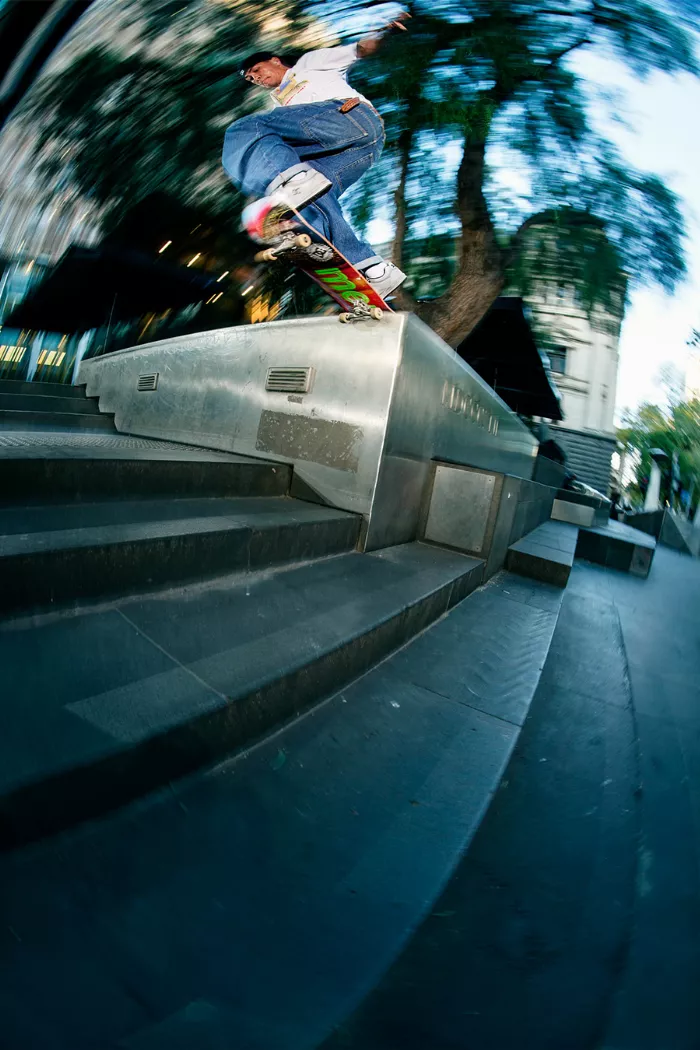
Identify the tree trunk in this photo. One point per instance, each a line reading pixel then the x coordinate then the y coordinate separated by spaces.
pixel 480 275
pixel 400 217
pixel 454 315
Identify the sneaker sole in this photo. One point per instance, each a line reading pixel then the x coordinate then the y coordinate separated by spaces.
pixel 281 199
pixel 386 292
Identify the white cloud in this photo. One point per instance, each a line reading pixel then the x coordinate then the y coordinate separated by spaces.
pixel 663 114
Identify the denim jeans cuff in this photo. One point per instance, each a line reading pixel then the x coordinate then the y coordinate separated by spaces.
pixel 372 261
pixel 287 174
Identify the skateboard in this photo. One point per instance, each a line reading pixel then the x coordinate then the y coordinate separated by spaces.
pixel 312 253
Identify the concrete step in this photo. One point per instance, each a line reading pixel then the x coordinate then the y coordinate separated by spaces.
pixel 668 528
pixel 578 508
pixel 64 554
pixel 115 702
pixel 18 420
pixel 46 470
pixel 341 829
pixel 617 546
pixel 544 898
pixel 679 534
pixel 547 553
pixel 38 389
pixel 31 402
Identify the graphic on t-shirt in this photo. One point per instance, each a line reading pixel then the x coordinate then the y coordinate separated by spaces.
pixel 284 94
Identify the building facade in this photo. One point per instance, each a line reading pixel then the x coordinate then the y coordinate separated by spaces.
pixel 583 355
pixel 37 225
pixel 584 358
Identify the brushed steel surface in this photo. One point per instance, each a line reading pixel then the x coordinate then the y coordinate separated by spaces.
pixel 440 409
pixel 211 392
pixel 290 380
pixel 460 505
pixel 386 399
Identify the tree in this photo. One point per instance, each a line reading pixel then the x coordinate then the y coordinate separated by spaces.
pixel 491 80
pixel 672 381
pixel 475 84
pixel 678 431
pixel 688 11
pixel 140 105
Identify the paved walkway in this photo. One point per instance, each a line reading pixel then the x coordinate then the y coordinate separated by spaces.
pixel 198 918
pixel 574 920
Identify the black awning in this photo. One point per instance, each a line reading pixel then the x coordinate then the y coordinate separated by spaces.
pixel 502 350
pixel 91 286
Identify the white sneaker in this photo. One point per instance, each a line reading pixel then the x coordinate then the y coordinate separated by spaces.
pixel 384 277
pixel 264 220
pixel 299 189
pixel 253 218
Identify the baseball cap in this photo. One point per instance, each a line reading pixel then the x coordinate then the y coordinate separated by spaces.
pixel 257 56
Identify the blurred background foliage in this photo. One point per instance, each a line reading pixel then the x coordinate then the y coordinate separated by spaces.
pixel 475 91
pixel 676 429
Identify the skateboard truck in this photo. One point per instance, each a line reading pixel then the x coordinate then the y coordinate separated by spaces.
pixel 277 224
pixel 361 312
pixel 286 243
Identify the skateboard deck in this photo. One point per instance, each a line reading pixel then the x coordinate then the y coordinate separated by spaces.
pixel 320 260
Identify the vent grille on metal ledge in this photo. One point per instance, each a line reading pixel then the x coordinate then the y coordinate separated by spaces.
pixel 290 380
pixel 149 381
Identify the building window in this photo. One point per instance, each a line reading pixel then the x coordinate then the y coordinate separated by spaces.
pixel 557 359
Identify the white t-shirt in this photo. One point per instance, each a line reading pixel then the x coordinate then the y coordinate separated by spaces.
pixel 317 77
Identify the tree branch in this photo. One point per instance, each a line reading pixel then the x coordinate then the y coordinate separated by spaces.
pixel 502 94
pixel 551 218
pixel 558 55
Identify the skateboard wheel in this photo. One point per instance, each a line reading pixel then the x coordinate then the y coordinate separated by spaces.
pixel 345 318
pixel 376 312
pixel 268 255
pixel 303 240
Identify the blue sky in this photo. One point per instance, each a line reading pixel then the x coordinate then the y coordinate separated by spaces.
pixel 664 114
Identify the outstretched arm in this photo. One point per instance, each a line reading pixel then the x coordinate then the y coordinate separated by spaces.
pixel 369 45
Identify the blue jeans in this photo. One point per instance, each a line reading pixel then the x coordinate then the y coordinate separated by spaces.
pixel 341 145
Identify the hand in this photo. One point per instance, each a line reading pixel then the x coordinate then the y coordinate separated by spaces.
pixel 398 22
pixel 371 44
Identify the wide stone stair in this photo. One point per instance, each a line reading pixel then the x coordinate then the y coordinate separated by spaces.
pixel 207 688
pixel 54 405
pixel 211 693
pixel 166 606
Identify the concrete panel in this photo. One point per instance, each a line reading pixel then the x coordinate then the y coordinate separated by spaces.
pixel 574 513
pixel 617 546
pixel 534 508
pixel 549 472
pixel 459 508
pixel 546 554
pixel 647 521
pixel 641 561
pixel 679 534
pixel 503 525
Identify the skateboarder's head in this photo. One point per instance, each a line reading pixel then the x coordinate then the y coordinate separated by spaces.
pixel 264 69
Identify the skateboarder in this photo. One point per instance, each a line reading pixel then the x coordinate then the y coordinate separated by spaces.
pixel 317 141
